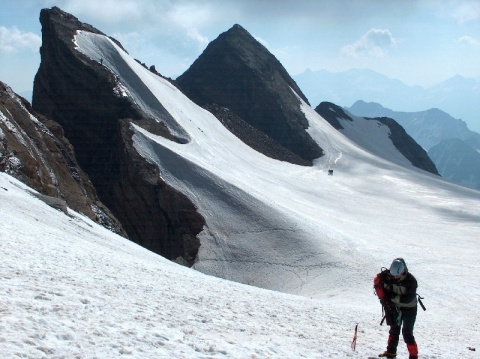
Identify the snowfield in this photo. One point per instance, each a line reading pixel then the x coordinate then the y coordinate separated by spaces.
pixel 313 242
pixel 71 289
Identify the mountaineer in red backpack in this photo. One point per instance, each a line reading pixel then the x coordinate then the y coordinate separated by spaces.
pixel 397 290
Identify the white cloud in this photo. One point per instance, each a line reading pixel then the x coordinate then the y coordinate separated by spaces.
pixel 13 40
pixel 469 41
pixel 195 35
pixel 169 25
pixel 375 43
pixel 260 40
pixel 191 17
pixel 467 12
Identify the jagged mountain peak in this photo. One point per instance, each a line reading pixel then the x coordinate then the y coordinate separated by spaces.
pixel 237 72
pixel 237 30
pixel 237 35
pixel 64 23
pixel 243 43
pixel 98 110
pixel 239 42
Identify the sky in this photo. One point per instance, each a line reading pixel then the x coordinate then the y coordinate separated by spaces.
pixel 418 42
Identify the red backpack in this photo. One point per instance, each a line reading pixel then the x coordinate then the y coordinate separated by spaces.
pixel 378 281
pixel 388 311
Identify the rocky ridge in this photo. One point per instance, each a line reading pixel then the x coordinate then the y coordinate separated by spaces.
pixel 405 144
pixel 85 98
pixel 238 73
pixel 34 150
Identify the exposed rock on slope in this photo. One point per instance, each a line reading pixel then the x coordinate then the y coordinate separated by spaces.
pixel 332 113
pixel 405 144
pixel 252 136
pixel 87 100
pixel 238 73
pixel 34 150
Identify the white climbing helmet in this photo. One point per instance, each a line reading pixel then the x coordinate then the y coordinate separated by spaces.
pixel 397 267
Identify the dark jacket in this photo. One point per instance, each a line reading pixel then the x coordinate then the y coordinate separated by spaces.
pixel 402 292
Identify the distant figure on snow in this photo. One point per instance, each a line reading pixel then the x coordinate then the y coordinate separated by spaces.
pixel 330 172
pixel 397 290
pixel 101 61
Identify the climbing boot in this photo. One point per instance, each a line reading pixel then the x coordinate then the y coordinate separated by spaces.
pixel 387 354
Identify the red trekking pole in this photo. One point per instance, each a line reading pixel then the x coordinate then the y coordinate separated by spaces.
pixel 354 341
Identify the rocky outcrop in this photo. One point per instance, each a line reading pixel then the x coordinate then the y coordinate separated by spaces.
pixel 253 137
pixel 405 144
pixel 236 72
pixel 33 149
pixel 332 113
pixel 82 95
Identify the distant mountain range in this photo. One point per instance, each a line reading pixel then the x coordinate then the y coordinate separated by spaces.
pixel 451 145
pixel 457 96
pixel 428 127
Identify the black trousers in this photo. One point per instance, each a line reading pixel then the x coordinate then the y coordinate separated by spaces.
pixel 408 317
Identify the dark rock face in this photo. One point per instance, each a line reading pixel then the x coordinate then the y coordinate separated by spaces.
pixel 79 93
pixel 33 149
pixel 253 137
pixel 408 146
pixel 238 73
pixel 405 144
pixel 332 113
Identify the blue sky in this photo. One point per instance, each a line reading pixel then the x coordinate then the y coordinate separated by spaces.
pixel 418 42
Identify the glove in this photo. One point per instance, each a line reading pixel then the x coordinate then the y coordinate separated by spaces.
pixel 396 300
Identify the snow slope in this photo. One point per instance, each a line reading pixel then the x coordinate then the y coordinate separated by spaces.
pixel 72 289
pixel 286 227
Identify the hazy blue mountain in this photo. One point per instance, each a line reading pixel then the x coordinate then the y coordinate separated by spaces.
pixel 457 161
pixel 457 96
pixel 428 127
pixel 451 145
